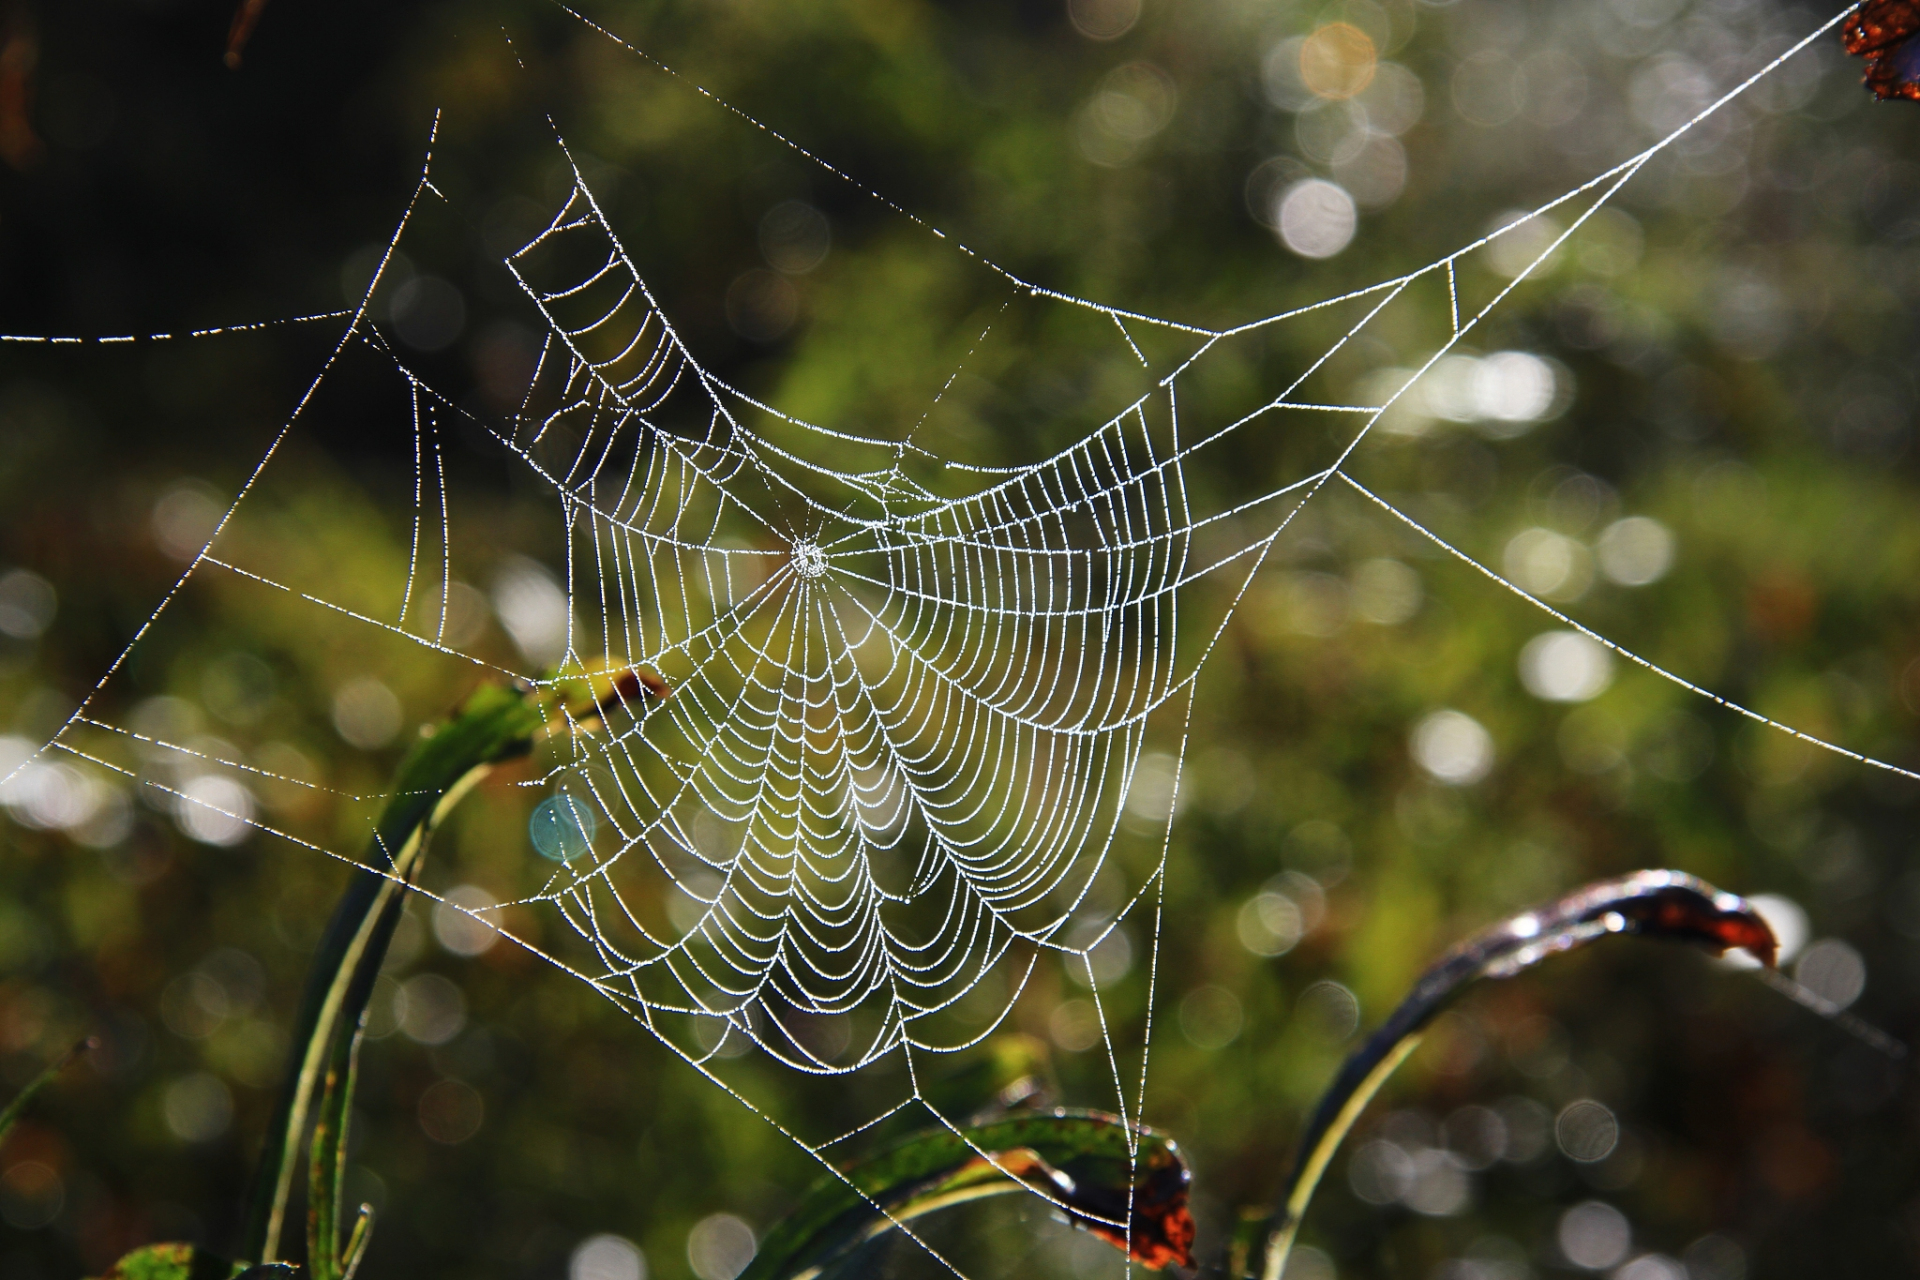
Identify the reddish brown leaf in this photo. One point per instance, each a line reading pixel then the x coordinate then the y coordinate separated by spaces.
pixel 241 31
pixel 20 146
pixel 1887 34
pixel 1162 1232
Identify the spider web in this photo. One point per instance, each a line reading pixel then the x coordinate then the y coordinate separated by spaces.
pixel 894 706
pixel 897 743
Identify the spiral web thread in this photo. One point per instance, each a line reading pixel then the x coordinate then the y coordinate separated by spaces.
pixel 889 725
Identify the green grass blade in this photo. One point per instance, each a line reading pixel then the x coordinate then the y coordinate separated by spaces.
pixel 495 724
pixel 1669 905
pixel 327 1166
pixel 357 1243
pixel 1091 1164
pixel 327 1169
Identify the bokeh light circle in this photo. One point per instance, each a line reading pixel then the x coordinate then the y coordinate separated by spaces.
pixel 562 827
pixel 1317 218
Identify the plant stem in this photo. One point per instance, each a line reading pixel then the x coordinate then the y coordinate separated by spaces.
pixel 496 724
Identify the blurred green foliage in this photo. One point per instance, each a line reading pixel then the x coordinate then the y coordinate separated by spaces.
pixel 1737 342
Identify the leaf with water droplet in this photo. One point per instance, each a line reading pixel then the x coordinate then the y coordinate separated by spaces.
pixel 1125 1184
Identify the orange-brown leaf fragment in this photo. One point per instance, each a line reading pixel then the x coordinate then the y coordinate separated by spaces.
pixel 633 685
pixel 241 31
pixel 1162 1230
pixel 1887 34
pixel 20 146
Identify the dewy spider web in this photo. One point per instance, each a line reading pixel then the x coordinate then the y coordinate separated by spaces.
pixel 894 707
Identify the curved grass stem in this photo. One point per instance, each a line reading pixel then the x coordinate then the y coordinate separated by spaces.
pixel 1669 905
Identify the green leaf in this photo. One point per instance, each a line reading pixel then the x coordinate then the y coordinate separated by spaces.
pixel 179 1261
pixel 1669 905
pixel 23 1099
pixel 496 724
pixel 1099 1170
pixel 172 1261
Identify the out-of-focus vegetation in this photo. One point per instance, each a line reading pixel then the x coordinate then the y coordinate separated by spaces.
pixel 1722 481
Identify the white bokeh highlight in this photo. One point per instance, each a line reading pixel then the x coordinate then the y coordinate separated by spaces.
pixel 1635 551
pixel 607 1257
pixel 1453 748
pixel 1317 218
pixel 1565 666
